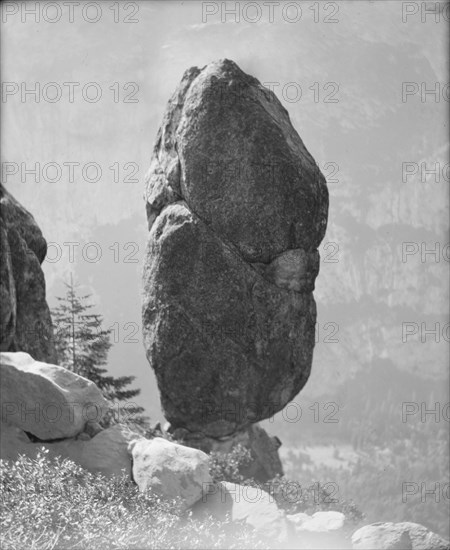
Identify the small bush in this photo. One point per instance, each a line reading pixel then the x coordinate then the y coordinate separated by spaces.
pixel 53 503
pixel 228 466
pixel 293 498
pixel 289 495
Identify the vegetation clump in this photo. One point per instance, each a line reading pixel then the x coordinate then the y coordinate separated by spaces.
pixel 289 494
pixel 53 503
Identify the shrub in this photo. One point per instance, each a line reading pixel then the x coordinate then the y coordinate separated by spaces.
pixel 53 503
pixel 293 498
pixel 289 495
pixel 228 466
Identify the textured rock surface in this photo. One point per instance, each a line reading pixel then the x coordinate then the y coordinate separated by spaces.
pixel 45 400
pixel 170 470
pixel 14 441
pixel 236 209
pixel 244 503
pixel 25 322
pixel 107 453
pixel 397 536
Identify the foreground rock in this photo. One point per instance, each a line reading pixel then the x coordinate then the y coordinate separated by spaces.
pixel 236 208
pixel 249 504
pixel 170 470
pixel 397 536
pixel 25 322
pixel 48 401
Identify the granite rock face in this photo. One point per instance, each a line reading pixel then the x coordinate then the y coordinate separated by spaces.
pixel 25 322
pixel 236 208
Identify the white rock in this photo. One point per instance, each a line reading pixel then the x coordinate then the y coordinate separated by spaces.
pixel 321 530
pixel 48 401
pixel 170 470
pixel 324 521
pixel 298 519
pixel 244 503
pixel 393 536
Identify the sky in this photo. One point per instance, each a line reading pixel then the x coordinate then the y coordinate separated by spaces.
pixel 366 87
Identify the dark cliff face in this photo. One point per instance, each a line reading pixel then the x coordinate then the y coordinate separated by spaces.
pixel 236 208
pixel 25 321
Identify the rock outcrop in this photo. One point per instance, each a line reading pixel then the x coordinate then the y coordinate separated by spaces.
pixel 236 208
pixel 25 322
pixel 43 405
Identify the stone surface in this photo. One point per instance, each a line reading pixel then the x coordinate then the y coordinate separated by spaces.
pixel 25 322
pixel 227 146
pixel 319 531
pixel 169 470
pixel 265 463
pixel 397 536
pixel 236 208
pixel 244 503
pixel 13 442
pixel 45 400
pixel 107 453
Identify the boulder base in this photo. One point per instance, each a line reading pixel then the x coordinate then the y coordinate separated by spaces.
pixel 265 462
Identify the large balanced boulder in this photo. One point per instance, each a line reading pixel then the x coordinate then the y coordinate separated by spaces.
pixel 169 470
pixel 236 208
pixel 397 536
pixel 25 322
pixel 45 400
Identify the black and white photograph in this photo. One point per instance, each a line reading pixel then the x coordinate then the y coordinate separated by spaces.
pixel 224 291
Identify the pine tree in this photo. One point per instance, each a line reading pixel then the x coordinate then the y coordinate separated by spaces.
pixel 82 346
